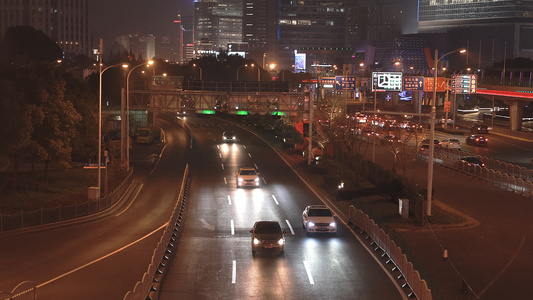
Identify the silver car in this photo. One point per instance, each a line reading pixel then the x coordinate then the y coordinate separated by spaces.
pixel 318 219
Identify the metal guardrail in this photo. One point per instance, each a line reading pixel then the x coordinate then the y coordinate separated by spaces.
pixel 418 285
pixel 150 278
pixel 501 174
pixel 25 219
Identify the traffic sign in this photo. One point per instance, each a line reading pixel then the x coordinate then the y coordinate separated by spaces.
pixel 464 84
pixel 387 81
pixel 327 82
pixel 441 84
pixel 413 83
pixel 345 83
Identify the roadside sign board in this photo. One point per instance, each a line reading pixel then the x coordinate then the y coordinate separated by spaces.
pixel 93 166
pixel 327 82
pixel 464 84
pixel 441 84
pixel 413 83
pixel 387 81
pixel 345 83
pixel 447 106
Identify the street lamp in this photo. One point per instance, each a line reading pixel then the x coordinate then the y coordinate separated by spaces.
pixel 101 71
pixel 258 72
pixel 148 64
pixel 195 65
pixel 432 127
pixel 397 63
pixel 239 69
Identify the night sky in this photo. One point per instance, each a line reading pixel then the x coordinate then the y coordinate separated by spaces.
pixel 110 18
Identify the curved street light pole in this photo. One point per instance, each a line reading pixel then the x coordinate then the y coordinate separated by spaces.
pixel 239 69
pixel 148 64
pixel 432 128
pixel 195 65
pixel 101 71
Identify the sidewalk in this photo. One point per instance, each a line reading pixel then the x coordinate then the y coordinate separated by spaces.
pixel 487 252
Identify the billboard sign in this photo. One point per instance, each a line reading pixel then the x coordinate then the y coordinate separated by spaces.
pixel 413 83
pixel 441 84
pixel 345 83
pixel 387 81
pixel 299 62
pixel 464 84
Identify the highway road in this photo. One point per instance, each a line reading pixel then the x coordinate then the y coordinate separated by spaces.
pixel 103 257
pixel 214 258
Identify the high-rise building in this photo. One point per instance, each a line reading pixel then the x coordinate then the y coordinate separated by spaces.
pixel 259 28
pixel 217 23
pixel 64 21
pixel 492 30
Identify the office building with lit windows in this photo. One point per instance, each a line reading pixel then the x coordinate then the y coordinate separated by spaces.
pixel 492 30
pixel 217 23
pixel 64 21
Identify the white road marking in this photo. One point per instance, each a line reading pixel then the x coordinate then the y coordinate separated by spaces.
pixel 311 281
pixel 250 155
pixel 234 273
pixel 222 166
pixel 264 181
pixel 290 227
pixel 229 199
pixel 225 180
pixel 275 200
pixel 244 146
pixel 218 147
pixel 232 227
pixel 102 258
pixel 207 225
pixel 256 167
pixel 220 154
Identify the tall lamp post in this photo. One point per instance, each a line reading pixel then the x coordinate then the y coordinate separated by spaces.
pixel 432 127
pixel 101 71
pixel 148 64
pixel 195 65
pixel 375 109
pixel 258 72
pixel 239 69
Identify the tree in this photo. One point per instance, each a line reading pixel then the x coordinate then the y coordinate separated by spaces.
pixel 24 44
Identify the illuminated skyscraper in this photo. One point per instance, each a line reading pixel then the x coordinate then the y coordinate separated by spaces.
pixel 491 29
pixel 64 21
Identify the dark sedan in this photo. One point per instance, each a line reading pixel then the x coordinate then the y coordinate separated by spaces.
pixel 477 140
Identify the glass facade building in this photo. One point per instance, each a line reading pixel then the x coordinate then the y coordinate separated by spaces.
pixel 217 23
pixel 64 21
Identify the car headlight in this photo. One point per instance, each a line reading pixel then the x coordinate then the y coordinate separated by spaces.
pixel 256 179
pixel 310 224
pixel 256 241
pixel 240 179
pixel 281 242
pixel 332 224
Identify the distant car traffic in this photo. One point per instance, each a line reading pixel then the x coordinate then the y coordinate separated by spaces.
pixel 229 136
pixel 267 235
pixel 473 161
pixel 477 140
pixel 317 219
pixel 451 143
pixel 424 144
pixel 247 177
pixel 479 128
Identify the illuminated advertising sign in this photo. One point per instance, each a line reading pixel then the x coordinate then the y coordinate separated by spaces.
pixel 299 62
pixel 345 83
pixel 387 81
pixel 464 84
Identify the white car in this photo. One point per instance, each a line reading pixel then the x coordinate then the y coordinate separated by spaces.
pixel 229 136
pixel 318 219
pixel 247 177
pixel 451 143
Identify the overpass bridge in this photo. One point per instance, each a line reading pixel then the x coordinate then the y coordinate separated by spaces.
pixel 172 94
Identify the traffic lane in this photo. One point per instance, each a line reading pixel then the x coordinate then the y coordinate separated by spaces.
pixel 60 250
pixel 220 218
